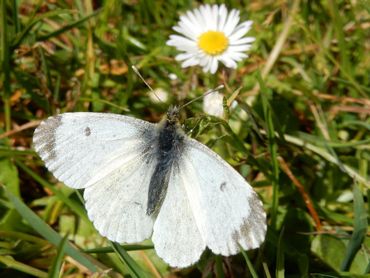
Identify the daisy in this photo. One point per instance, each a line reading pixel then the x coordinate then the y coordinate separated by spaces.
pixel 211 34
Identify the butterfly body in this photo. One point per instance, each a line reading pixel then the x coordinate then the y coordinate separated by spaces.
pixel 145 180
pixel 168 149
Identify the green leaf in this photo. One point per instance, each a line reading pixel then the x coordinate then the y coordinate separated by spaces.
pixel 9 218
pixel 359 228
pixel 9 176
pixel 330 249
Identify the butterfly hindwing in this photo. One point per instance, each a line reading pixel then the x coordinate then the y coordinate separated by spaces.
pixel 176 236
pixel 232 214
pixel 117 203
pixel 215 200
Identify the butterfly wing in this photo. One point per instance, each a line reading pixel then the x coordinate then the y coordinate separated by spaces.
pixel 210 204
pixel 117 203
pixel 110 156
pixel 75 145
pixel 176 236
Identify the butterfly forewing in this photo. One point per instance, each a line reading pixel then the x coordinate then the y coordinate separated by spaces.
pixel 75 145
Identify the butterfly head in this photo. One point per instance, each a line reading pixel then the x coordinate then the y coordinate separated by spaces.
pixel 173 114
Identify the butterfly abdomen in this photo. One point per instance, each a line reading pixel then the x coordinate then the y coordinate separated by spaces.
pixel 169 147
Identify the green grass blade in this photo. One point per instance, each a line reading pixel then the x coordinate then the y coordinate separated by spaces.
pixel 219 269
pixel 48 233
pixel 338 25
pixel 266 270
pixel 83 99
pixel 280 265
pixel 6 152
pixel 127 260
pixel 5 64
pixel 22 236
pixel 54 271
pixel 9 262
pixel 16 20
pixel 67 27
pixel 268 115
pixel 249 264
pixel 321 142
pixel 359 229
pixel 127 247
pixel 21 36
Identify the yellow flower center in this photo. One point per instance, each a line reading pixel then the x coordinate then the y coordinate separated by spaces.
pixel 213 42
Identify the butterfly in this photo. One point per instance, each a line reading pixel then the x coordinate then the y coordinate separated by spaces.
pixel 145 180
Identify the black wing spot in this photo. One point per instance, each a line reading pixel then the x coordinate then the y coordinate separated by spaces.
pixel 223 186
pixel 87 131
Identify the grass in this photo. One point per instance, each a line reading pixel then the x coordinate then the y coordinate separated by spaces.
pixel 299 134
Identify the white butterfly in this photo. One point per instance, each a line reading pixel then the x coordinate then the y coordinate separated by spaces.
pixel 143 179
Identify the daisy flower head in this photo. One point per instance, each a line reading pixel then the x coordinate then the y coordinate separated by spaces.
pixel 209 35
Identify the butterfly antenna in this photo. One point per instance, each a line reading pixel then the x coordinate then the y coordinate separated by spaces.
pixel 202 96
pixel 135 69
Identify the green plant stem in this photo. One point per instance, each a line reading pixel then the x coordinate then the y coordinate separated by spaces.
pixel 5 64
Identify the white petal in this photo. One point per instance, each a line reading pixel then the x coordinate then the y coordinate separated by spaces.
pixel 246 40
pixel 239 48
pixel 214 17
pixel 231 22
pixel 207 67
pixel 207 15
pixel 222 15
pixel 184 56
pixel 204 60
pixel 193 19
pixel 235 56
pixel 190 29
pixel 241 30
pixel 214 65
pixel 193 61
pixel 201 19
pixel 183 31
pixel 227 61
pixel 196 25
pixel 182 43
